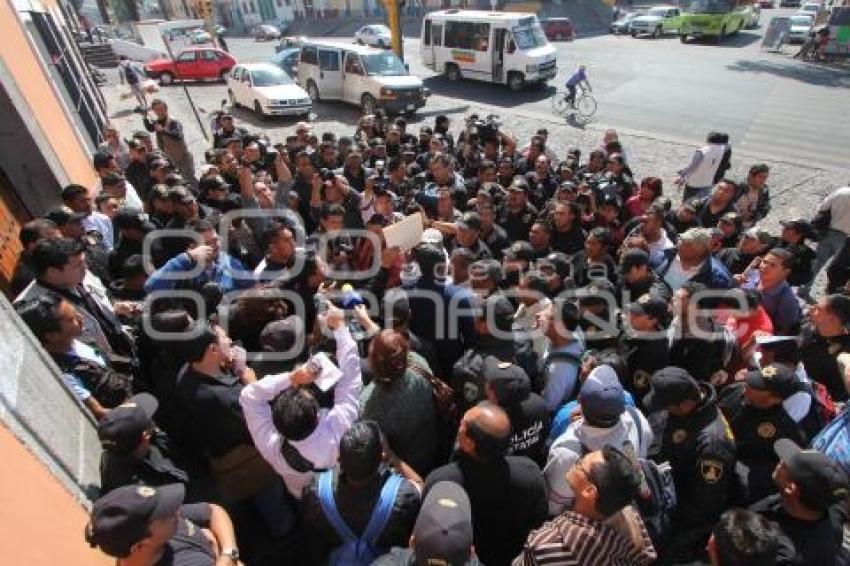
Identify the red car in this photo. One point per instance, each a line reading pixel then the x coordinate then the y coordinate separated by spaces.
pixel 765 3
pixel 558 28
pixel 192 64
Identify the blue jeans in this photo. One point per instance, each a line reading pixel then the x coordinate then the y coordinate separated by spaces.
pixel 829 245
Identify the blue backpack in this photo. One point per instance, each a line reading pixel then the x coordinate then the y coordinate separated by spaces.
pixel 834 440
pixel 362 550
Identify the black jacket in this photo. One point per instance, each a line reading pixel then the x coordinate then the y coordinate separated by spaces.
pixel 701 451
pixel 355 505
pixel 508 500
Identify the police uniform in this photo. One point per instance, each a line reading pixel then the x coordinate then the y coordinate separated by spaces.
pixel 701 450
pixel 517 226
pixel 756 430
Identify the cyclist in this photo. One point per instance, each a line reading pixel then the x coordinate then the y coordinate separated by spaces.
pixel 576 80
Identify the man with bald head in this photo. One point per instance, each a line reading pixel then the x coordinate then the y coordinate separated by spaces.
pixel 506 492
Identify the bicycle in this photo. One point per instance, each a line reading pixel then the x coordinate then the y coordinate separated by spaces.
pixel 584 104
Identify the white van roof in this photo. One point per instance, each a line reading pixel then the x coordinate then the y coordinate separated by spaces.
pixel 359 49
pixel 480 15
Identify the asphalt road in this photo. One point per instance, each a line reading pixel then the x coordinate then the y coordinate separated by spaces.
pixel 771 104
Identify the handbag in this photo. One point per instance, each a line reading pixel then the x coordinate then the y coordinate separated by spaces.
pixel 442 393
pixel 241 473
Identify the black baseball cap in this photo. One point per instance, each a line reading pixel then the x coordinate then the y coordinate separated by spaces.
pixel 497 308
pixel 486 269
pixel 122 427
pixel 801 225
pixel 671 386
pixel 132 218
pixel 443 530
pixel 519 185
pixel 692 205
pixel 469 221
pixel 212 183
pixel 633 258
pixel 181 194
pixel 560 262
pixel 161 164
pixel 520 251
pixel 281 335
pixel 64 215
pixel 120 518
pixel 820 479
pixel 509 382
pixel 651 306
pixel 774 378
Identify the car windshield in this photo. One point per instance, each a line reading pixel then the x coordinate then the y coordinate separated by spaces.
pixel 384 65
pixel 529 37
pixel 657 12
pixel 801 21
pixel 270 77
pixel 380 30
pixel 709 6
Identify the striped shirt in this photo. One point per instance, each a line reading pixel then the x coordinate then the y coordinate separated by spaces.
pixel 573 539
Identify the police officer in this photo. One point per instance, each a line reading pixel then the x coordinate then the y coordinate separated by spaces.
pixel 637 278
pixel 646 347
pixel 698 443
pixel 131 225
pixel 496 340
pixel 507 385
pixel 131 454
pixel 758 421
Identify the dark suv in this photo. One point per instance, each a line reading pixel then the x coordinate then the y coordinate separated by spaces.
pixel 558 29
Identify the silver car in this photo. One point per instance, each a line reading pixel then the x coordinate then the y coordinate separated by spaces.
pixel 801 28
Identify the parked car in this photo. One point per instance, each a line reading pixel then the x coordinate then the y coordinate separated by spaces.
pixel 291 41
pixel 368 77
pixel 624 24
pixel 811 8
pixel 657 21
pixel 755 16
pixel 789 3
pixel 199 37
pixel 558 29
pixel 375 35
pixel 194 63
pixel 265 32
pixel 268 90
pixel 801 28
pixel 287 59
pixel 766 4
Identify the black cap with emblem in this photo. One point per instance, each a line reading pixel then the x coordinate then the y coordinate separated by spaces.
pixel 120 518
pixel 777 379
pixel 122 427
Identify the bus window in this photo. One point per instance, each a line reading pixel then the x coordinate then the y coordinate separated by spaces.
pixel 426 34
pixel 309 55
pixel 467 35
pixel 530 37
pixel 437 36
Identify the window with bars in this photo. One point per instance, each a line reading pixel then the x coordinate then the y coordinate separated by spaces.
pixel 66 62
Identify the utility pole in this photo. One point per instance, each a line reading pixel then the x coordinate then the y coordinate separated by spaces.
pixel 393 8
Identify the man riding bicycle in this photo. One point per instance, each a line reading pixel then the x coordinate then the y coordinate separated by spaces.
pixel 576 80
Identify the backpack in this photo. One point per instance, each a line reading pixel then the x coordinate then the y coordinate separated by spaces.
pixel 657 500
pixel 362 550
pixel 834 440
pixel 541 373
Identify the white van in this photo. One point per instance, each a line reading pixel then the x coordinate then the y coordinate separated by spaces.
pixel 499 47
pixel 369 77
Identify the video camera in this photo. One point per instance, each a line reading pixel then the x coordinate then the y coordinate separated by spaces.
pixel 482 130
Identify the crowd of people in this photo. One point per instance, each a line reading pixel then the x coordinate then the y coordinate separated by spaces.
pixel 567 365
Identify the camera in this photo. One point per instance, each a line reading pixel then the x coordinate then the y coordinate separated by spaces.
pixel 328 176
pixel 486 129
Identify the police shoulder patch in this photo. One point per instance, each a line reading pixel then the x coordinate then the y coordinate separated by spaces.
pixel 679 436
pixel 766 430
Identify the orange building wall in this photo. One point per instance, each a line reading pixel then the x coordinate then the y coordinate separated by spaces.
pixel 42 99
pixel 41 522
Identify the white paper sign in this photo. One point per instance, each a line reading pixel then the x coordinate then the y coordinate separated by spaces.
pixel 329 375
pixel 406 233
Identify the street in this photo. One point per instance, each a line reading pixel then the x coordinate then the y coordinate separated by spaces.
pixel 661 95
pixel 769 103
